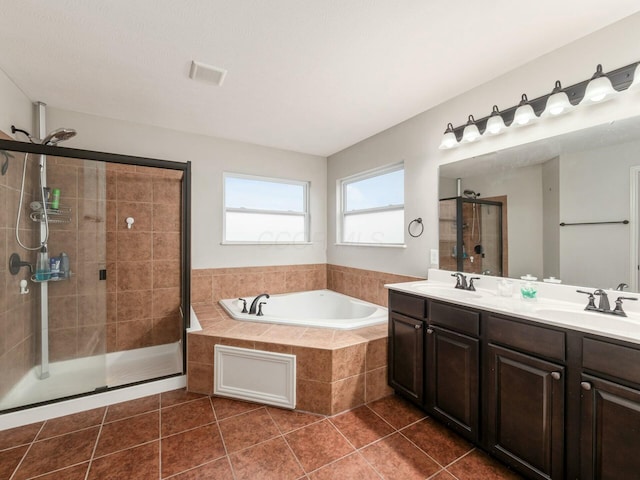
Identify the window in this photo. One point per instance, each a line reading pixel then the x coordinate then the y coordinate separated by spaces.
pixel 372 207
pixel 265 210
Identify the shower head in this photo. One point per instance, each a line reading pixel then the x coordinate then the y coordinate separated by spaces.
pixel 59 135
pixel 471 194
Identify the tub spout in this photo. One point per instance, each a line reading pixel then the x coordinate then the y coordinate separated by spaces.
pixel 256 301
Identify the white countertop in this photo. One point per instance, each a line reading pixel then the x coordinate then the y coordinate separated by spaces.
pixel 557 305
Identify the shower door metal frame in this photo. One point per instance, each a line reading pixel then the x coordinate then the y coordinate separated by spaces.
pixel 185 254
pixel 460 234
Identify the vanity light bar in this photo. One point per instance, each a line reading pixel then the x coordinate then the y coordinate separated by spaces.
pixel 600 87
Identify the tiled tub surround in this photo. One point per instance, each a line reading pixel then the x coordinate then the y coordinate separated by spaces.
pixel 208 286
pixel 336 370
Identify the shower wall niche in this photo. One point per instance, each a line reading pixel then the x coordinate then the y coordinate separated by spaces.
pixel 473 235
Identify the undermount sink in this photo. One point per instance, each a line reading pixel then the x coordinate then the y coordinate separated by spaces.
pixel 447 291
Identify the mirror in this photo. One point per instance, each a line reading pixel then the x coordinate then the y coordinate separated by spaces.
pixel 568 205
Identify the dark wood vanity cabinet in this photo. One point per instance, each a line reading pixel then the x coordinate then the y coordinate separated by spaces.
pixel 406 345
pixel 525 412
pixel 552 403
pixel 525 396
pixel 610 411
pixel 453 368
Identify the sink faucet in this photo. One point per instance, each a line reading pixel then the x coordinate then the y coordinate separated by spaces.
pixel 461 280
pixel 256 301
pixel 622 286
pixel 603 304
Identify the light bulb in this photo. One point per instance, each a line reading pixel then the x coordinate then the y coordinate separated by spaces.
pixel 495 123
pixel 558 102
pixel 470 132
pixel 599 88
pixel 449 139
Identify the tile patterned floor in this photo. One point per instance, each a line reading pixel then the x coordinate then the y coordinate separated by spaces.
pixel 185 436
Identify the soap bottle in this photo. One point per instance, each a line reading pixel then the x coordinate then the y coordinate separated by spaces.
pixel 65 269
pixel 43 271
pixel 528 289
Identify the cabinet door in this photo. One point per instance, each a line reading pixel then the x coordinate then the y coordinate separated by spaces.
pixel 610 431
pixel 452 380
pixel 406 356
pixel 525 413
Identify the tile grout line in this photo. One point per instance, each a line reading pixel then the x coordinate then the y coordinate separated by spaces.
pixel 95 446
pixel 284 438
pixel 27 450
pixel 224 445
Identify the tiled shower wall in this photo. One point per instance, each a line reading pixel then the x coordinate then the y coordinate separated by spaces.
pixel 210 285
pixel 17 312
pixel 143 263
pixel 138 305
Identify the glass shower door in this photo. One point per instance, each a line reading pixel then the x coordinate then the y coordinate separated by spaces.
pixel 58 317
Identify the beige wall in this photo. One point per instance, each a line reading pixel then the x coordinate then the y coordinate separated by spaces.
pixel 416 140
pixel 211 157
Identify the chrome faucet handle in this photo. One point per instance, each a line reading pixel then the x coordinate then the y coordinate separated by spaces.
pixel 603 304
pixel 618 310
pixel 457 275
pixel 471 286
pixel 244 305
pixel 260 314
pixel 591 305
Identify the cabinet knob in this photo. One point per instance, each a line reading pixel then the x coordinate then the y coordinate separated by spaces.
pixel 417 326
pixel 555 375
pixel 585 385
pixel 429 331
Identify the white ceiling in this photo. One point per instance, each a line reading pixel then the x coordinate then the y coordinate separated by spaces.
pixel 312 76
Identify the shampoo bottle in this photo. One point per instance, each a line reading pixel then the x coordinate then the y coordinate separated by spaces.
pixel 43 271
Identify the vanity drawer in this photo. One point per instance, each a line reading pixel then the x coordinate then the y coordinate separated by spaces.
pixel 410 305
pixel 536 340
pixel 610 359
pixel 454 318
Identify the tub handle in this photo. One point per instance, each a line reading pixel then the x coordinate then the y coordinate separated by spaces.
pixel 244 305
pixel 260 314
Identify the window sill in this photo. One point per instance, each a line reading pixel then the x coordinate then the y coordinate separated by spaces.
pixel 265 243
pixel 383 245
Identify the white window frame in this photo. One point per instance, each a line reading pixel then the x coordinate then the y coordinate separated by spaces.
pixel 341 190
pixel 306 214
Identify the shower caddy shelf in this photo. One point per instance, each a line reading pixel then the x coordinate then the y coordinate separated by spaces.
pixel 61 214
pixel 57 279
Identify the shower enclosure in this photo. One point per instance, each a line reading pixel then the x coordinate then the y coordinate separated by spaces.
pixel 472 236
pixel 111 308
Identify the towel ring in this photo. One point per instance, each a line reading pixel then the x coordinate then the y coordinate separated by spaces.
pixel 419 222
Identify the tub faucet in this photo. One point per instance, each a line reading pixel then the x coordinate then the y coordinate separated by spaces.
pixel 254 305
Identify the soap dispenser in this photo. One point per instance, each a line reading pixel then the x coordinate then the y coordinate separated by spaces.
pixel 43 271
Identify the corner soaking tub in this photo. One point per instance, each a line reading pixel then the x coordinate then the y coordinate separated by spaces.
pixel 316 308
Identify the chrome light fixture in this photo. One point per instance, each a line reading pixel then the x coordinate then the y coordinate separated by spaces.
pixel 495 122
pixel 599 88
pixel 470 132
pixel 558 103
pixel 524 113
pixel 449 139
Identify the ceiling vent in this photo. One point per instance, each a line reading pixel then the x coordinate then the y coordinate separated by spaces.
pixel 207 73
